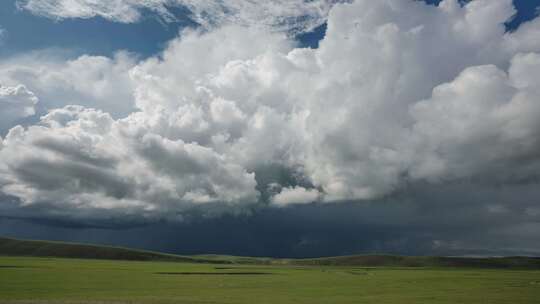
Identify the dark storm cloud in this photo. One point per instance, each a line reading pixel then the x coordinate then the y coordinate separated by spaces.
pixel 459 219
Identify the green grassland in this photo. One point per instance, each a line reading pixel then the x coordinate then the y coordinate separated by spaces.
pixel 53 272
pixel 53 280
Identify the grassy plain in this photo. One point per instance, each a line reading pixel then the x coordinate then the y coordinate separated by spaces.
pixel 55 280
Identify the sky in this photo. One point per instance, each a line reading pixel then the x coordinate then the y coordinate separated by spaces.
pixel 287 128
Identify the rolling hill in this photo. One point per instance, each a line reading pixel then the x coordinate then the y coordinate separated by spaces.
pixel 30 248
pixel 15 247
pixel 424 261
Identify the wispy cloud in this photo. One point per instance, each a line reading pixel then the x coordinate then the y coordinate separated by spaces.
pixel 281 15
pixel 3 34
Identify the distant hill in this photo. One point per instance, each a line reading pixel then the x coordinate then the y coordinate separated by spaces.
pixel 412 261
pixel 14 247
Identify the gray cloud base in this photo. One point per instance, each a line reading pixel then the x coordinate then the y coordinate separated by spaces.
pixel 458 219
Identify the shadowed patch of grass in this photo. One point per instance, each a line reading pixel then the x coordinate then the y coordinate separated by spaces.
pixel 214 273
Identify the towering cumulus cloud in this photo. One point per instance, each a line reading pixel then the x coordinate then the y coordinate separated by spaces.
pixel 399 93
pixel 16 102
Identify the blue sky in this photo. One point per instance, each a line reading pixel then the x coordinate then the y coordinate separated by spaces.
pixel 98 36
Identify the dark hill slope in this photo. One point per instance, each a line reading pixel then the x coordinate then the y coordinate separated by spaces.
pixel 411 261
pixel 13 247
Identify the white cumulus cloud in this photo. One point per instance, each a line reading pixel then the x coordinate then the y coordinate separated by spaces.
pixel 398 93
pixel 91 81
pixel 16 102
pixel 81 160
pixel 295 195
